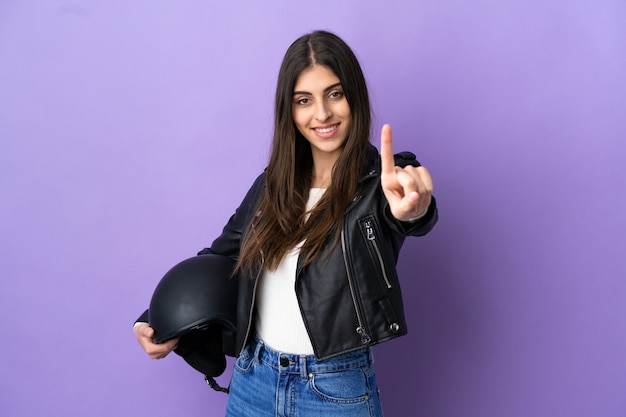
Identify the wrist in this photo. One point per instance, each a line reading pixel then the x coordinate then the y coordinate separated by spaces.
pixel 416 218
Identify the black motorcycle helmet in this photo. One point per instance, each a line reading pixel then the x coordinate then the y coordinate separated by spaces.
pixel 196 300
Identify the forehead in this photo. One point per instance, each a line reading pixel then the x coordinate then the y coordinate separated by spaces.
pixel 315 78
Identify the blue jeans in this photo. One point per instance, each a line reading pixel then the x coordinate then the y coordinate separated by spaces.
pixel 269 383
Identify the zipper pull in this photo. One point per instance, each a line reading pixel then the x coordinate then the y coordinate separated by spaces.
pixel 370 231
pixel 365 339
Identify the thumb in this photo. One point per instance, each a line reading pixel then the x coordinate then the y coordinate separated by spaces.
pixel 148 332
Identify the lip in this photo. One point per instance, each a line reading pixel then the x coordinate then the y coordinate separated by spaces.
pixel 323 132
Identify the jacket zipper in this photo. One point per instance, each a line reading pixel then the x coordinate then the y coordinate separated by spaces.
pixel 361 330
pixel 372 238
pixel 256 282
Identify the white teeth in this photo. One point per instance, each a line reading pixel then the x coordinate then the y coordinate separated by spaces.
pixel 326 129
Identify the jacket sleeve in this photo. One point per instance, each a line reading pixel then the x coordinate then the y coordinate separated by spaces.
pixel 229 242
pixel 419 227
pixel 143 318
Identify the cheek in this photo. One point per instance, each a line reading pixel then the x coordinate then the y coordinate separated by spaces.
pixel 344 110
pixel 298 118
pixel 348 117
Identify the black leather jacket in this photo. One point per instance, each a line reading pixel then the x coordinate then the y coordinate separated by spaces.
pixel 352 298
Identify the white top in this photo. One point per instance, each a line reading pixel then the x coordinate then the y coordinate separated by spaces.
pixel 279 321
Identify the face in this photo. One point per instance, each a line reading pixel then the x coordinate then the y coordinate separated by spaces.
pixel 321 112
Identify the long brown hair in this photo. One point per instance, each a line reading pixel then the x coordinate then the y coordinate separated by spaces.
pixel 282 222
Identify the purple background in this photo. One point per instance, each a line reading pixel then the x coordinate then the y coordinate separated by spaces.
pixel 130 131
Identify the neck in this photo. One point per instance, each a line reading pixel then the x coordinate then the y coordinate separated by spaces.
pixel 320 183
pixel 322 170
pixel 322 176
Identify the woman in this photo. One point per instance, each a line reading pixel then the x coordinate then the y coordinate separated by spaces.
pixel 316 241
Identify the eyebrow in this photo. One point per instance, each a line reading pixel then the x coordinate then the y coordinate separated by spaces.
pixel 330 87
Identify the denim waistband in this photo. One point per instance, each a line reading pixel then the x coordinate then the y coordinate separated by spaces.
pixel 308 364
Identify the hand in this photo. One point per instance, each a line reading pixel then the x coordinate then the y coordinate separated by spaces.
pixel 408 190
pixel 144 333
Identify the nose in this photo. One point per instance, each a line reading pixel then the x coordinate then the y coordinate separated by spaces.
pixel 322 111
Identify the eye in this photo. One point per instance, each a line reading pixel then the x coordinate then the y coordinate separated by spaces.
pixel 302 100
pixel 336 94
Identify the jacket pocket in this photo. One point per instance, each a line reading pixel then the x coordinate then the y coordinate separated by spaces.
pixel 371 235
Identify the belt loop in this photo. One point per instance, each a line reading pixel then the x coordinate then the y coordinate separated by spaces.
pixel 257 351
pixel 303 368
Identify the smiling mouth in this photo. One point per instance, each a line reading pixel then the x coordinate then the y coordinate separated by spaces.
pixel 326 129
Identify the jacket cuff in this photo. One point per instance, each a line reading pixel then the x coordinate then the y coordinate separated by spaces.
pixel 419 226
pixel 143 318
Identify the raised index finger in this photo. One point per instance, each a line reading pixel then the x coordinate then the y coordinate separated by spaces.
pixel 386 151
